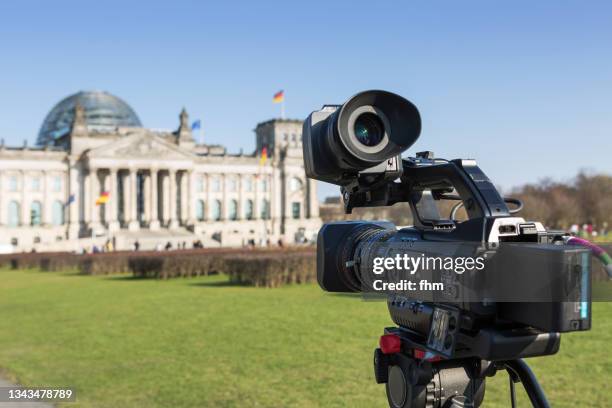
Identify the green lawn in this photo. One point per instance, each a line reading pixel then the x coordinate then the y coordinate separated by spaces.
pixel 200 342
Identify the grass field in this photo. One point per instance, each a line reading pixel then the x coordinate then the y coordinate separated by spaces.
pixel 201 342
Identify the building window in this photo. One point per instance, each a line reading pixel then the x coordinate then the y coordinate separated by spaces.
pixel 248 184
pixel 216 210
pixel 233 210
pixel 232 184
pixel 14 241
pixel 58 213
pixel 265 209
pixel 216 184
pixel 13 184
pixel 200 184
pixel 200 210
pixel 36 184
pixel 248 210
pixel 296 210
pixel 57 184
pixel 295 184
pixel 14 214
pixel 264 185
pixel 35 213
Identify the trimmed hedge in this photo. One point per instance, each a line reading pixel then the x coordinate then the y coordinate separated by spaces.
pixel 256 267
pixel 272 270
pixel 46 261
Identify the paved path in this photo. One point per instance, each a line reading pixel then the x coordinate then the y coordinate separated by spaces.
pixel 4 383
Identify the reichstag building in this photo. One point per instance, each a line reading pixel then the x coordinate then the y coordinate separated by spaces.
pixel 97 174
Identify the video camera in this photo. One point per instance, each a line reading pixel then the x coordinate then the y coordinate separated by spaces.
pixel 530 288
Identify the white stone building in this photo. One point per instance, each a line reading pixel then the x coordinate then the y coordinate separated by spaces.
pixel 161 185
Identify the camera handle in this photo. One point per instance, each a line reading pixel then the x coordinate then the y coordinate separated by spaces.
pixel 456 207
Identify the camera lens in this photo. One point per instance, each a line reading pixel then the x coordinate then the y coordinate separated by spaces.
pixel 369 129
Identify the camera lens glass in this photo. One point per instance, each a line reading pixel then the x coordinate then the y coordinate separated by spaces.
pixel 369 129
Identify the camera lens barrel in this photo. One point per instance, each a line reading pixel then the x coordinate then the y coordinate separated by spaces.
pixel 359 247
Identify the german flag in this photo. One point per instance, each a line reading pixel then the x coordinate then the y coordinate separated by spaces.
pixel 264 156
pixel 279 97
pixel 103 199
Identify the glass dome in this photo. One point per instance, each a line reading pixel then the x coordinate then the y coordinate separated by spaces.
pixel 103 112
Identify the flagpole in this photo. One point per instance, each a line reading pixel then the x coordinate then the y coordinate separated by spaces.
pixel 283 108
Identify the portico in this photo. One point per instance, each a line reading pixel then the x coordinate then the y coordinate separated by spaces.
pixel 139 198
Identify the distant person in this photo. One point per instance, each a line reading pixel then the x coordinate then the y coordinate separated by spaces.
pixel 574 229
pixel 584 231
pixel 168 246
pixel 136 245
pixel 280 243
pixel 184 245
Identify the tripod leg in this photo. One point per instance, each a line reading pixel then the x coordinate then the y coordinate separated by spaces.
pixel 512 392
pixel 536 395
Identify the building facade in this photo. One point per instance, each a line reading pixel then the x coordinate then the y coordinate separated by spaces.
pixel 97 174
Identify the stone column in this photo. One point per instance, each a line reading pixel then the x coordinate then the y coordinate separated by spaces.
pixel 241 205
pixel 165 189
pixel 182 187
pixel 146 197
pixel 133 225
pixel 46 201
pixel 154 223
pixel 208 199
pixel 173 221
pixel 224 201
pixel 72 189
pixel 125 187
pixel 256 205
pixel 25 207
pixel 190 197
pixel 279 211
pixel 94 194
pixel 112 207
pixel 87 204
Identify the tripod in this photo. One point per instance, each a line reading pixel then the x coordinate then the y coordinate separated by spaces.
pixel 412 383
pixel 416 378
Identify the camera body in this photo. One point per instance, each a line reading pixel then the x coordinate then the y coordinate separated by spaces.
pixel 531 287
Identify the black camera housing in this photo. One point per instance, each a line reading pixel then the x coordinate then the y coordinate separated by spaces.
pixel 518 251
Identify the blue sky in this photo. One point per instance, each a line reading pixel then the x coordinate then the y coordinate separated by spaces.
pixel 523 87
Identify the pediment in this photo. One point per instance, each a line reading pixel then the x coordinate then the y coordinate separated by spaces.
pixel 140 146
